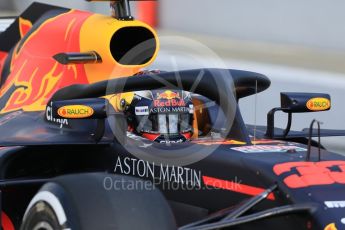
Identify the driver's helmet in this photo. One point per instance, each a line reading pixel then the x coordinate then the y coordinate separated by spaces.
pixel 164 116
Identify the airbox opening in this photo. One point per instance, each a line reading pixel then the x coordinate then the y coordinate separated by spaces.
pixel 133 45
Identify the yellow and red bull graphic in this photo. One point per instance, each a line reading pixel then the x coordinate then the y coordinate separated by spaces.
pixel 168 94
pixel 33 71
pixel 75 111
pixel 34 76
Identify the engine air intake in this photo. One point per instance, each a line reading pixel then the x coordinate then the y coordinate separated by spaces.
pixel 133 45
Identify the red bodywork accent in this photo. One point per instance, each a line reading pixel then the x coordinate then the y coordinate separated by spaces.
pixel 154 136
pixel 187 135
pixel 24 27
pixel 3 56
pixel 311 173
pixel 6 222
pixel 151 136
pixel 235 187
pixel 147 12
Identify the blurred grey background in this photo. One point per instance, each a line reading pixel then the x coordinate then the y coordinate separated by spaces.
pixel 10 7
pixel 296 32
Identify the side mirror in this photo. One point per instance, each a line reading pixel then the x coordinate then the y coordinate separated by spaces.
pixel 304 102
pixel 291 102
pixel 91 108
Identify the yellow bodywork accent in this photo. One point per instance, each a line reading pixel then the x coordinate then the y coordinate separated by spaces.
pixel 115 100
pixel 96 34
pixel 24 23
pixel 331 226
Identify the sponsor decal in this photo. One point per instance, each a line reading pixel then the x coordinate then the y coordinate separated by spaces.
pixel 191 108
pixel 171 141
pixel 168 94
pixel 318 104
pixel 160 172
pixel 169 99
pixel 75 111
pixel 330 226
pixel 50 118
pixel 305 174
pixel 335 204
pixel 268 148
pixel 142 110
pixel 168 103
pixel 169 110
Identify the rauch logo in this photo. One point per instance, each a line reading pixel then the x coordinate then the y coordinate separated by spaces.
pixel 318 103
pixel 75 111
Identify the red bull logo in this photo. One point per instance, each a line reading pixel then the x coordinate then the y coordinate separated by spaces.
pixel 168 94
pixel 169 103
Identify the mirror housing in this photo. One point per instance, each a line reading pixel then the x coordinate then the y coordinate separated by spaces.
pixel 291 102
pixel 304 102
pixel 91 108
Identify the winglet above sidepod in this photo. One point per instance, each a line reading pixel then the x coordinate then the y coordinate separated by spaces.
pixel 78 58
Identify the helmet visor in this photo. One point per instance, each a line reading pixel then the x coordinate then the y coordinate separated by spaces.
pixel 165 123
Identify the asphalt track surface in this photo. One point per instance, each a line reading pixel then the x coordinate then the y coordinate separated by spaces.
pixel 283 79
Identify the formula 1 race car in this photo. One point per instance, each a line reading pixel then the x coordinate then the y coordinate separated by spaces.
pixel 90 140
